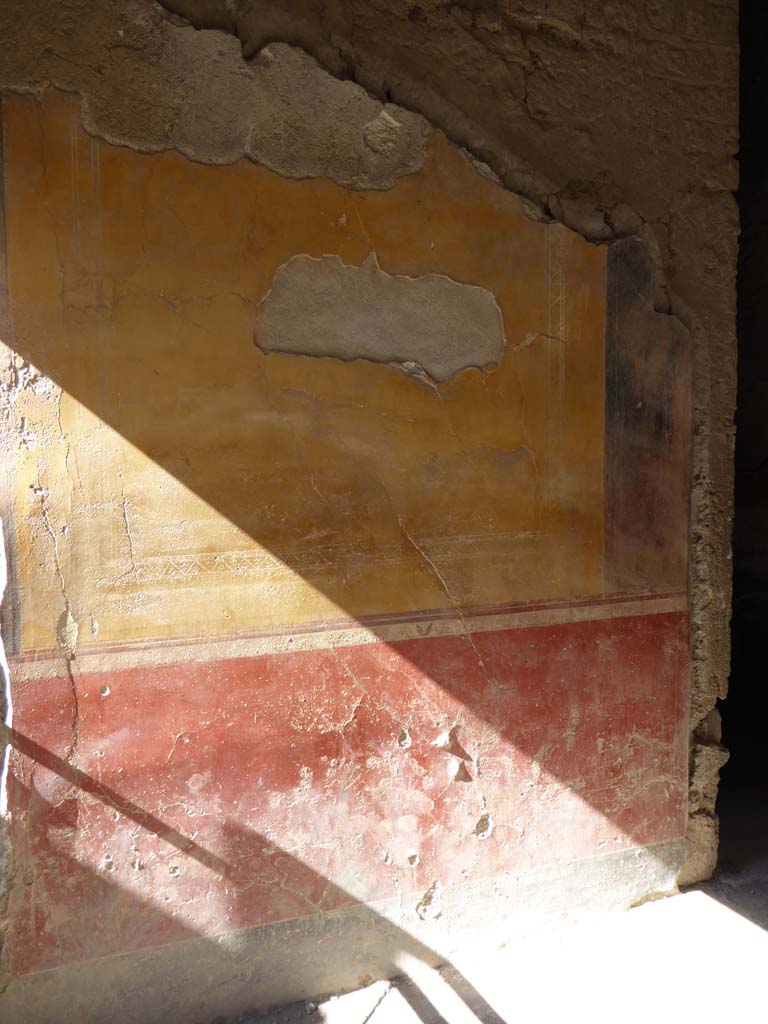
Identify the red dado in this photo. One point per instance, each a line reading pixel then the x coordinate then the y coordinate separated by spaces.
pixel 222 795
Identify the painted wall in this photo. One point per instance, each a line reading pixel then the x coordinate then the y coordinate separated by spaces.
pixel 619 121
pixel 348 549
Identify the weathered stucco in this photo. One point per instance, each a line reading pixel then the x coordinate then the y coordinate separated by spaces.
pixel 152 84
pixel 617 120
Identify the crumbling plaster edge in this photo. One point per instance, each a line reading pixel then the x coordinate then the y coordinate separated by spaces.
pixel 92 128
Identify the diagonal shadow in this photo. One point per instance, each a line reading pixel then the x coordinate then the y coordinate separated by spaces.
pixel 127 808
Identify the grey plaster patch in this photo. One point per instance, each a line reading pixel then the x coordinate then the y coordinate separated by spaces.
pixel 429 325
pixel 170 86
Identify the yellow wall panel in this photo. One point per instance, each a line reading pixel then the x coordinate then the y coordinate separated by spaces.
pixel 186 484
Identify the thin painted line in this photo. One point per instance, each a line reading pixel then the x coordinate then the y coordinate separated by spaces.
pixel 346 634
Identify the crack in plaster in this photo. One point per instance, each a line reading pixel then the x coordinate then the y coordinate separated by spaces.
pixel 126 524
pixel 67 629
pixel 423 556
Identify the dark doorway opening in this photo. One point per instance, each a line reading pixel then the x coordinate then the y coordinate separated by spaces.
pixel 743 801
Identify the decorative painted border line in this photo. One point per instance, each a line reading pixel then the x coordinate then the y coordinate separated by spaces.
pixel 346 633
pixel 259 562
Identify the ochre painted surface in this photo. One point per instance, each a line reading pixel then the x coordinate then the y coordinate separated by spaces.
pixel 293 633
pixel 219 796
pixel 197 487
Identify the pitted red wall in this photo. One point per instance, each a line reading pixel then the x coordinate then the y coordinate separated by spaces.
pixel 243 792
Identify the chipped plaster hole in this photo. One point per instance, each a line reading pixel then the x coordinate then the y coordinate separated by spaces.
pixel 430 905
pixel 413 859
pixel 484 827
pixel 174 870
pixel 196 782
pixel 404 739
pixel 449 742
pixel 66 632
pixel 428 327
pixel 387 858
pixel 104 690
